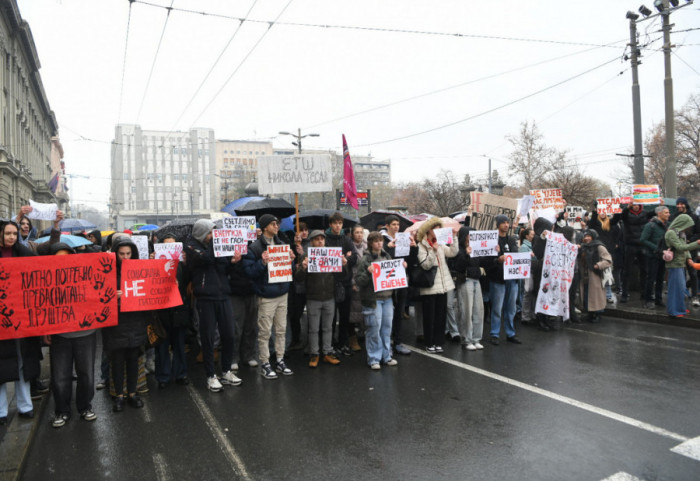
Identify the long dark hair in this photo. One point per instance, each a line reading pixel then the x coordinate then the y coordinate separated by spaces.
pixel 524 233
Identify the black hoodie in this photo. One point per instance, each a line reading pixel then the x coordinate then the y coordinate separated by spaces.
pixel 463 265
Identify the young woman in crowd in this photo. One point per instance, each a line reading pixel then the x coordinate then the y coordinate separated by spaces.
pixel 470 302
pixel 593 260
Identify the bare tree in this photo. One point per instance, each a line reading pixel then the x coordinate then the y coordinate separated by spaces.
pixel 576 188
pixel 531 159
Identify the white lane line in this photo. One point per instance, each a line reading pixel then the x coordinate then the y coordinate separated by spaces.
pixel 690 448
pixel 638 341
pixel 557 397
pixel 621 477
pixel 219 435
pixel 161 466
pixel 147 413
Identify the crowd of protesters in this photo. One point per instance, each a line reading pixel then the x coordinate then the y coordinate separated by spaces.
pixel 233 316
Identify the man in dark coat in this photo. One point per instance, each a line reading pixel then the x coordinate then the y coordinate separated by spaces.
pixel 634 218
pixel 652 234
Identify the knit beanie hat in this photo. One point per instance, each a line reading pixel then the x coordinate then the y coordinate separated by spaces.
pixel 500 219
pixel 266 219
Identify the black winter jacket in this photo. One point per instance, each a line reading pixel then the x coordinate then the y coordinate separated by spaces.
pixel 463 265
pixel 208 273
pixel 633 225
pixel 494 269
pixel 341 240
pixel 257 271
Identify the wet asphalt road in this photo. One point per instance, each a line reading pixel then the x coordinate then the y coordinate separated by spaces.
pixel 615 398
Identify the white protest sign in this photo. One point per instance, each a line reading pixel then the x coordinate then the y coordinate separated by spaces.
pixel 325 259
pixel 524 206
pixel 576 213
pixel 545 198
pixel 279 264
pixel 611 205
pixel 557 273
pixel 42 211
pixel 483 243
pixel 245 222
pixel 443 236
pixel 227 242
pixel 388 275
pixel 168 250
pixel 289 174
pixel 141 242
pixel 517 266
pixel 402 244
pixel 550 214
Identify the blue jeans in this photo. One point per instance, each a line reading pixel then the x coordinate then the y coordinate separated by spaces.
pixel 503 298
pixel 378 331
pixel 675 300
pixel 64 352
pixel 22 391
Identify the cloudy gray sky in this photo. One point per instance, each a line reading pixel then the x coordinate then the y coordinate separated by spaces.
pixel 428 84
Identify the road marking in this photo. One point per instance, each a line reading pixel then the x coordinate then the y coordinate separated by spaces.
pixel 147 413
pixel 640 341
pixel 621 477
pixel 690 448
pixel 161 467
pixel 557 397
pixel 219 435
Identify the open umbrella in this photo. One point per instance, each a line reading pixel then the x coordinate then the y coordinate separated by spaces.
pixel 71 225
pixel 72 240
pixel 257 206
pixel 287 223
pixel 446 222
pixel 180 228
pixel 147 227
pixel 371 220
pixel 318 219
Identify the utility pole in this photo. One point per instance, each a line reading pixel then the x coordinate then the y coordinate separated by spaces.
pixel 670 178
pixel 636 102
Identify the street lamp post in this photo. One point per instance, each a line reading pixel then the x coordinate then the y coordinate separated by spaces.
pixel 298 136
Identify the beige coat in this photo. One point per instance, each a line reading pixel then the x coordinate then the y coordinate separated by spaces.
pixel 429 257
pixel 596 292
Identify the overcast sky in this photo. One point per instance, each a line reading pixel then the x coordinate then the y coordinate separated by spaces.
pixel 466 73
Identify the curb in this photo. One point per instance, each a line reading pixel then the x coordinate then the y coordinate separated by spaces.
pixel 647 315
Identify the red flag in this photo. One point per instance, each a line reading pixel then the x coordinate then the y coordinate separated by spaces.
pixel 349 186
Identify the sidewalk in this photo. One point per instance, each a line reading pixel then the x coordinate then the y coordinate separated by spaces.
pixel 634 309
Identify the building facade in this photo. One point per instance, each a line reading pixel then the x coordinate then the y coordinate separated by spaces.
pixel 27 123
pixel 237 165
pixel 158 176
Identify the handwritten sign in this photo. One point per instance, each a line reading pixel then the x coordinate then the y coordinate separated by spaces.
pixel 149 285
pixel 42 211
pixel 141 242
pixel 524 206
pixel 546 198
pixel 246 222
pixel 279 264
pixel 646 194
pixel 388 275
pixel 227 242
pixel 483 243
pixel 168 250
pixel 289 174
pixel 402 244
pixel 325 259
pixel 55 294
pixel 517 266
pixel 611 205
pixel 485 207
pixel 557 273
pixel 443 236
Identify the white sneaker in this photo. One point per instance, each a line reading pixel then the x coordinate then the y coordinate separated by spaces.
pixel 213 384
pixel 253 363
pixel 471 347
pixel 230 378
pixel 696 302
pixel 375 367
pixel 392 362
pixel 478 345
pixel 234 366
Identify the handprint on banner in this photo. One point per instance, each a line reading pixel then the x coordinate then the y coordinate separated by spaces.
pixel 99 282
pixel 104 315
pixel 107 296
pixel 87 321
pixel 106 265
pixel 6 317
pixel 4 275
pixel 3 293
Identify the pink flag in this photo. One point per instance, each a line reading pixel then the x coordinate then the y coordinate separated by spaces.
pixel 349 186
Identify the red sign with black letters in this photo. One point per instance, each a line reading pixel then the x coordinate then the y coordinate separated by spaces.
pixel 55 294
pixel 148 285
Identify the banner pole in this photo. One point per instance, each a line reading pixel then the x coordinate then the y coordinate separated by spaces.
pixel 296 209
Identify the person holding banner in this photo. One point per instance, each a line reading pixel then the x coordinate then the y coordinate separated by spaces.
pixel 470 301
pixel 19 358
pixel 609 233
pixel 594 259
pixel 272 296
pixel 634 218
pixel 211 289
pixel 431 254
pixel 377 307
pixel 27 232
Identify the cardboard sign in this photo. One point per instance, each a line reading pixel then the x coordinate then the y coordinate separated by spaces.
pixel 557 273
pixel 55 294
pixel 149 285
pixel 611 205
pixel 483 243
pixel 443 236
pixel 279 264
pixel 141 242
pixel 247 223
pixel 485 207
pixel 646 194
pixel 289 174
pixel 227 242
pixel 42 211
pixel 325 259
pixel 402 244
pixel 388 275
pixel 168 250
pixel 517 266
pixel 546 198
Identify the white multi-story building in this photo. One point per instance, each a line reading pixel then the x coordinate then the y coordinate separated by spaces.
pixel 237 165
pixel 159 175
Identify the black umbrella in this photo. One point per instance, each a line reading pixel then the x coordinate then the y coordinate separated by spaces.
pixel 318 219
pixel 180 228
pixel 257 206
pixel 371 220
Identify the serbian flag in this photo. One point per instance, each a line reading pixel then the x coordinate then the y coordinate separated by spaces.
pixel 349 186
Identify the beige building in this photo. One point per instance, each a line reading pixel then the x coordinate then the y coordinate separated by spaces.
pixel 27 124
pixel 237 165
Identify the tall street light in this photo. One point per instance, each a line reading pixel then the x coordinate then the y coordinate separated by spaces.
pixel 298 145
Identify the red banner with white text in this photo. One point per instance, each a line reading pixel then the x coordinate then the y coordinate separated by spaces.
pixel 148 285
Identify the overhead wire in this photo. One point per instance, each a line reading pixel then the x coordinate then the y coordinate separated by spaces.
pixel 126 46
